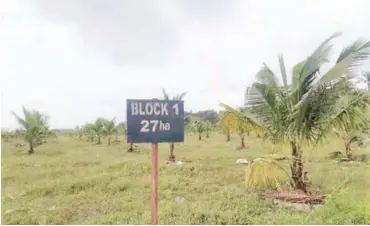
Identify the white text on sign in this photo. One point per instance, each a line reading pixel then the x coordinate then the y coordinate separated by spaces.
pixel 152 108
pixel 156 125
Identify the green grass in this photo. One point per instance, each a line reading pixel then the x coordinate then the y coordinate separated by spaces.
pixel 74 182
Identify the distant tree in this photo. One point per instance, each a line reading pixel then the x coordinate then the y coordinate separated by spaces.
pixel 208 127
pixel 109 129
pixel 35 128
pixel 171 156
pixel 122 128
pixel 98 129
pixel 224 125
pixel 198 126
pixel 352 129
pixel 206 115
pixel 88 131
pixel 79 131
pixel 237 125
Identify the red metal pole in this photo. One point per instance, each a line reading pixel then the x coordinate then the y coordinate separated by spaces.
pixel 154 200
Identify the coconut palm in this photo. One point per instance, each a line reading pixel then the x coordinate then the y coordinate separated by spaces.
pixel 35 128
pixel 79 131
pixel 306 110
pixel 224 125
pixel 353 129
pixel 98 129
pixel 122 128
pixel 237 125
pixel 198 126
pixel 208 127
pixel 109 129
pixel 171 156
pixel 88 131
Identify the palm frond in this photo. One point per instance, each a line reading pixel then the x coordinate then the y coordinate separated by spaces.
pixel 264 172
pixel 180 96
pixel 348 113
pixel 283 71
pixel 349 61
pixel 165 95
pixel 242 115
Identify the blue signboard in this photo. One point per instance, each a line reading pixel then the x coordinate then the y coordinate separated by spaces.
pixel 155 121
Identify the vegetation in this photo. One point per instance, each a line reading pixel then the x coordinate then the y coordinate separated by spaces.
pixel 109 129
pixel 198 126
pixel 304 111
pixel 171 156
pixel 208 128
pixel 35 128
pixel 59 184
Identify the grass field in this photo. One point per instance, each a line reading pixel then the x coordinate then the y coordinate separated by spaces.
pixel 75 182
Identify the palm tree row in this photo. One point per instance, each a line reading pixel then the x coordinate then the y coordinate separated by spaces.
pixel 305 111
pixel 101 128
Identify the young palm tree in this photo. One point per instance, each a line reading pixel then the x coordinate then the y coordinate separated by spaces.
pixel 306 110
pixel 98 129
pixel 172 157
pixel 353 129
pixel 109 129
pixel 35 128
pixel 88 131
pixel 224 125
pixel 238 125
pixel 197 126
pixel 122 128
pixel 79 131
pixel 208 126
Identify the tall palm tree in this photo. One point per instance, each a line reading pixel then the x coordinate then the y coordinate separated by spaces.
pixel 35 126
pixel 172 157
pixel 109 129
pixel 306 110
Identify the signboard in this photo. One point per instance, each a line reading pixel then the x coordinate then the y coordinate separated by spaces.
pixel 155 121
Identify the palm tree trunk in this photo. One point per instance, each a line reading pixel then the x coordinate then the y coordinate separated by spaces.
pixel 31 151
pixel 297 167
pixel 228 135
pixel 207 135
pixel 99 141
pixel 172 157
pixel 109 141
pixel 242 145
pixel 199 136
pixel 348 150
pixel 131 148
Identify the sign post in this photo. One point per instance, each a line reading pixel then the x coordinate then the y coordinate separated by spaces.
pixel 155 121
pixel 154 186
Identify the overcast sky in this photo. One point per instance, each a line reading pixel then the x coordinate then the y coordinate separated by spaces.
pixel 79 59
